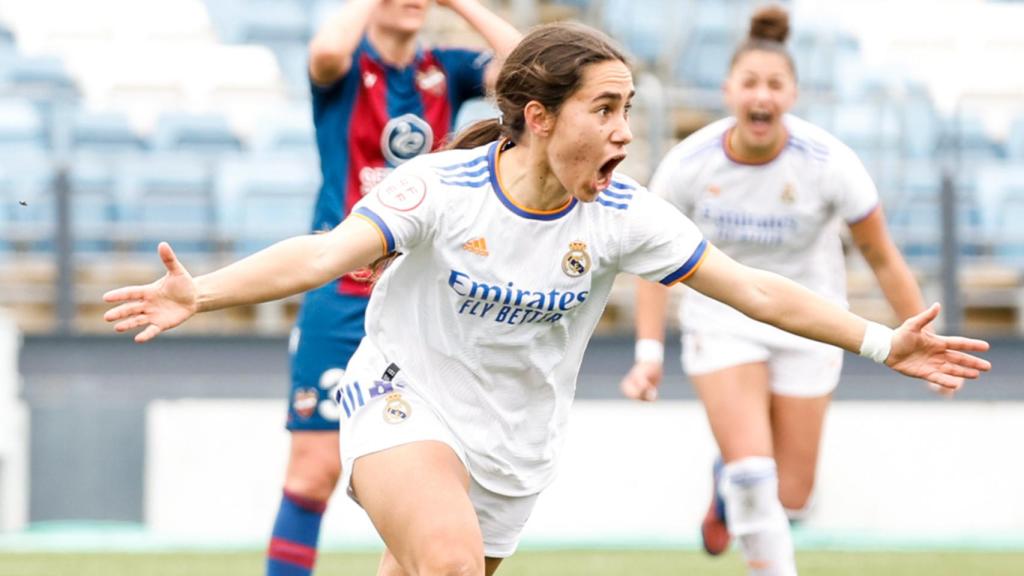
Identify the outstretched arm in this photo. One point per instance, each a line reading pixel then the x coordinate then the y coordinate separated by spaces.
pixel 289 267
pixel 501 36
pixel 641 383
pixel 772 299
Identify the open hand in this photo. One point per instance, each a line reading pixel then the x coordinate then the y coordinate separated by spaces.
pixel 159 306
pixel 941 360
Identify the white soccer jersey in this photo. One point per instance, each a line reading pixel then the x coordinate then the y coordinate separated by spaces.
pixel 491 305
pixel 782 216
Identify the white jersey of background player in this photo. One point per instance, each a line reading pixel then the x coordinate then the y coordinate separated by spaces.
pixel 771 191
pixel 505 300
pixel 783 215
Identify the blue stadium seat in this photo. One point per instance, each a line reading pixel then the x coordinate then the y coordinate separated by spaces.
pixel 287 132
pixel 921 125
pixel 1000 192
pixel 474 110
pixel 195 133
pixel 40 78
pixel 27 193
pixel 265 199
pixel 104 132
pixel 7 40
pixel 916 223
pixel 643 26
pixel 1015 140
pixel 21 127
pixel 227 17
pixel 1009 245
pixel 705 61
pixel 969 141
pixel 274 22
pixel 94 204
pixel 165 197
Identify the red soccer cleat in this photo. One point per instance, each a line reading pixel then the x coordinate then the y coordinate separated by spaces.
pixel 713 531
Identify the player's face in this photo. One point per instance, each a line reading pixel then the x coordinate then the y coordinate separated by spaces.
pixel 402 16
pixel 592 130
pixel 760 89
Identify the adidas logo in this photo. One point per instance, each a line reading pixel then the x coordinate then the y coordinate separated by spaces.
pixel 476 246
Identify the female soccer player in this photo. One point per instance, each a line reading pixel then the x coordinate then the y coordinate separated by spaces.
pixel 379 98
pixel 454 406
pixel 770 190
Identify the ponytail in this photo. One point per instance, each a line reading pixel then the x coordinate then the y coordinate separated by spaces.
pixel 476 134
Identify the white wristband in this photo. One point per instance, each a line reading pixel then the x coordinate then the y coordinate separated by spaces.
pixel 877 342
pixel 649 350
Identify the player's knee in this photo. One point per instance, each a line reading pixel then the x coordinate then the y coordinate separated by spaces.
pixel 449 561
pixel 750 487
pixel 312 479
pixel 795 492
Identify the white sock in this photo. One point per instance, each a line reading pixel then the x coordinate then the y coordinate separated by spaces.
pixel 750 487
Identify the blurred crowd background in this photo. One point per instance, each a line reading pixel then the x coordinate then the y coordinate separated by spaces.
pixel 126 122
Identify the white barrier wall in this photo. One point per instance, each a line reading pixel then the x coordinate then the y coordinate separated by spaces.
pixel 634 474
pixel 13 432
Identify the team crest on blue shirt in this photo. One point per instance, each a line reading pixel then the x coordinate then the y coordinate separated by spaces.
pixel 405 138
pixel 431 80
pixel 576 261
pixel 304 402
pixel 397 410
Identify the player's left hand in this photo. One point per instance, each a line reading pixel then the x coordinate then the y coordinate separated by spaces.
pixel 941 360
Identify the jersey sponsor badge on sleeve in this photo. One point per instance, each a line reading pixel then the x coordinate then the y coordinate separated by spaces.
pixel 402 193
pixel 405 138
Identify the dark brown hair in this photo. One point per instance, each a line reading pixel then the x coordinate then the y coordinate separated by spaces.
pixel 769 28
pixel 546 66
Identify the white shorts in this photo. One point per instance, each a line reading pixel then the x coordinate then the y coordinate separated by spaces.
pixel 377 414
pixel 807 371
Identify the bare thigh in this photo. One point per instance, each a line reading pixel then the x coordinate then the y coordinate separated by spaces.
pixel 314 464
pixel 417 496
pixel 736 400
pixel 796 434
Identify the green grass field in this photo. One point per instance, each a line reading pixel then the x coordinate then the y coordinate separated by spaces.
pixel 530 563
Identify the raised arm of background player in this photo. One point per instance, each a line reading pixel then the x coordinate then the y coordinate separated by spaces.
pixel 331 49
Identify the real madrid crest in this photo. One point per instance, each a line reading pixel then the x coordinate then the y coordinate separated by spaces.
pixel 396 410
pixel 788 193
pixel 576 261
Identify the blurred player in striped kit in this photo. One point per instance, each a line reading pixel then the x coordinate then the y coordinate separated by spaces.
pixel 380 98
pixel 770 190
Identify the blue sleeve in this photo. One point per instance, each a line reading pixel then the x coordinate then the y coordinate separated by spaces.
pixel 465 71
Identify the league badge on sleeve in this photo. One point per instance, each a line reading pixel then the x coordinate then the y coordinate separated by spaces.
pixel 402 192
pixel 576 261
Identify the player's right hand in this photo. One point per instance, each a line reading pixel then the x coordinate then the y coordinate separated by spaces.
pixel 159 306
pixel 642 381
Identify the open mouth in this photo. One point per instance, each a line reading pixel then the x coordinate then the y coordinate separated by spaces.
pixel 762 119
pixel 604 174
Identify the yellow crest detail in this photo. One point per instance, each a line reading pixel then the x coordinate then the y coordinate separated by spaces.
pixel 576 261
